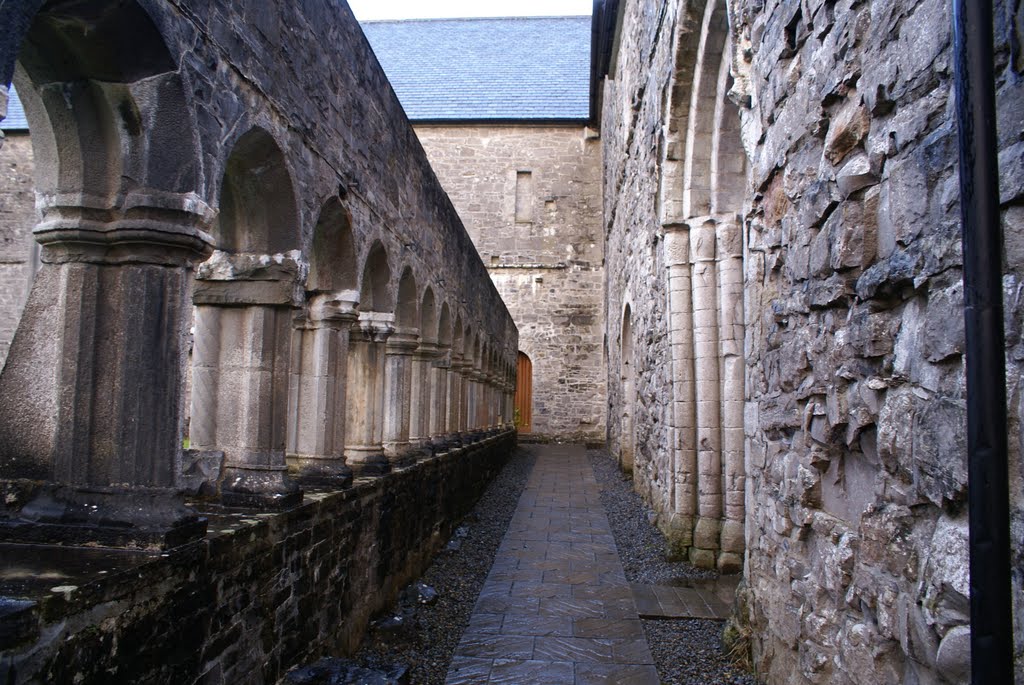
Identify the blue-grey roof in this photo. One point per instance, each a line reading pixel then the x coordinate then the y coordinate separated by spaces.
pixel 15 120
pixel 517 68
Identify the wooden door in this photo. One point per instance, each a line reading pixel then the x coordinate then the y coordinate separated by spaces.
pixel 524 394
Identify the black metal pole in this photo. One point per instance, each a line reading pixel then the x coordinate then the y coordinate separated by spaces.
pixel 988 493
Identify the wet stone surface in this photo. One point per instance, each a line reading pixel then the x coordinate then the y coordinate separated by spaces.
pixel 686 651
pixel 429 631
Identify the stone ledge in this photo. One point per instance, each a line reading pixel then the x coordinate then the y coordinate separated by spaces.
pixel 263 591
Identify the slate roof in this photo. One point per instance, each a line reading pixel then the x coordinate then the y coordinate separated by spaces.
pixel 516 68
pixel 15 120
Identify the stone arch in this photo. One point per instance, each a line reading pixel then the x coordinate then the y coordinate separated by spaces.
pixel 702 190
pixel 444 326
pixel 706 97
pixel 407 308
pixel 332 260
pixel 375 285
pixel 428 316
pixel 258 211
pixel 106 104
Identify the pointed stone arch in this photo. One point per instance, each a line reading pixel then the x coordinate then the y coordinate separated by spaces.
pixel 332 259
pixel 407 306
pixel 258 211
pixel 375 283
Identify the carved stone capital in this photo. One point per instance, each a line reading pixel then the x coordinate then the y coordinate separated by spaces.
pixel 145 227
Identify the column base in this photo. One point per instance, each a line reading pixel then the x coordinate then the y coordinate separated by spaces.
pixel 678 531
pixel 131 518
pixel 368 461
pixel 259 487
pixel 399 454
pixel 730 562
pixel 320 470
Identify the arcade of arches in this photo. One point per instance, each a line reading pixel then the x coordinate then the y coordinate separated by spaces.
pixel 244 246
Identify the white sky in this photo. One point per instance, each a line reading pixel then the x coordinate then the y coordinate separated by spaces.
pixel 429 9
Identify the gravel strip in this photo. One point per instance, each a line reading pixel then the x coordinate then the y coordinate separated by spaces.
pixel 426 648
pixel 685 651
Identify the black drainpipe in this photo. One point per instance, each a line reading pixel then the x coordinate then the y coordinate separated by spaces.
pixel 988 469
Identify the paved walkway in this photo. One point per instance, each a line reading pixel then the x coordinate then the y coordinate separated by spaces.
pixel 556 607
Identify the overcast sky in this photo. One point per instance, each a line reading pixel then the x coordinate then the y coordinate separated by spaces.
pixel 424 9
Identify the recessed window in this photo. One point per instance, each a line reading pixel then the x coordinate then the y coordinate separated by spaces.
pixel 524 197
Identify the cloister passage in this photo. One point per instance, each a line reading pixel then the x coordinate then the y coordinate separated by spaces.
pixel 557 606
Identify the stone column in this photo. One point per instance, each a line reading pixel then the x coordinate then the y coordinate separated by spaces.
pixel 316 439
pixel 455 399
pixel 364 410
pixel 493 401
pixel 730 337
pixel 439 372
pixel 398 398
pixel 706 532
pixel 510 399
pixel 244 305
pixel 684 441
pixel 91 395
pixel 422 384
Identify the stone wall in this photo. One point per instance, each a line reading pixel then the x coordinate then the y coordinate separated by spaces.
pixel 249 164
pixel 263 592
pixel 17 217
pixel 855 449
pixel 539 236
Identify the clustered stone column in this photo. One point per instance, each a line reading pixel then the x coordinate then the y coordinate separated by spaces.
pixel 705 273
pixel 438 404
pixel 317 394
pixel 422 378
pixel 730 289
pixel 456 399
pixel 94 408
pixel 684 410
pixel 244 306
pixel 398 398
pixel 364 413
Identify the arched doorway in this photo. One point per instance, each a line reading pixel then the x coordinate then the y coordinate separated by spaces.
pixel 524 393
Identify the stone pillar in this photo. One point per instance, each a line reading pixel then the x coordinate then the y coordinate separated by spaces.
pixel 706 532
pixel 398 397
pixel 730 297
pixel 364 410
pixel 494 401
pixel 439 372
pixel 243 324
pixel 91 398
pixel 422 384
pixel 316 439
pixel 455 399
pixel 510 399
pixel 684 441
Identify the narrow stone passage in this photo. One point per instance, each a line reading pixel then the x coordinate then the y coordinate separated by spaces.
pixel 556 607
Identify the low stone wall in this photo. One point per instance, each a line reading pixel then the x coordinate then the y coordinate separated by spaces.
pixel 262 593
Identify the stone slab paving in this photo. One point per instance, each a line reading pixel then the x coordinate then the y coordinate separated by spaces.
pixel 709 599
pixel 556 607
